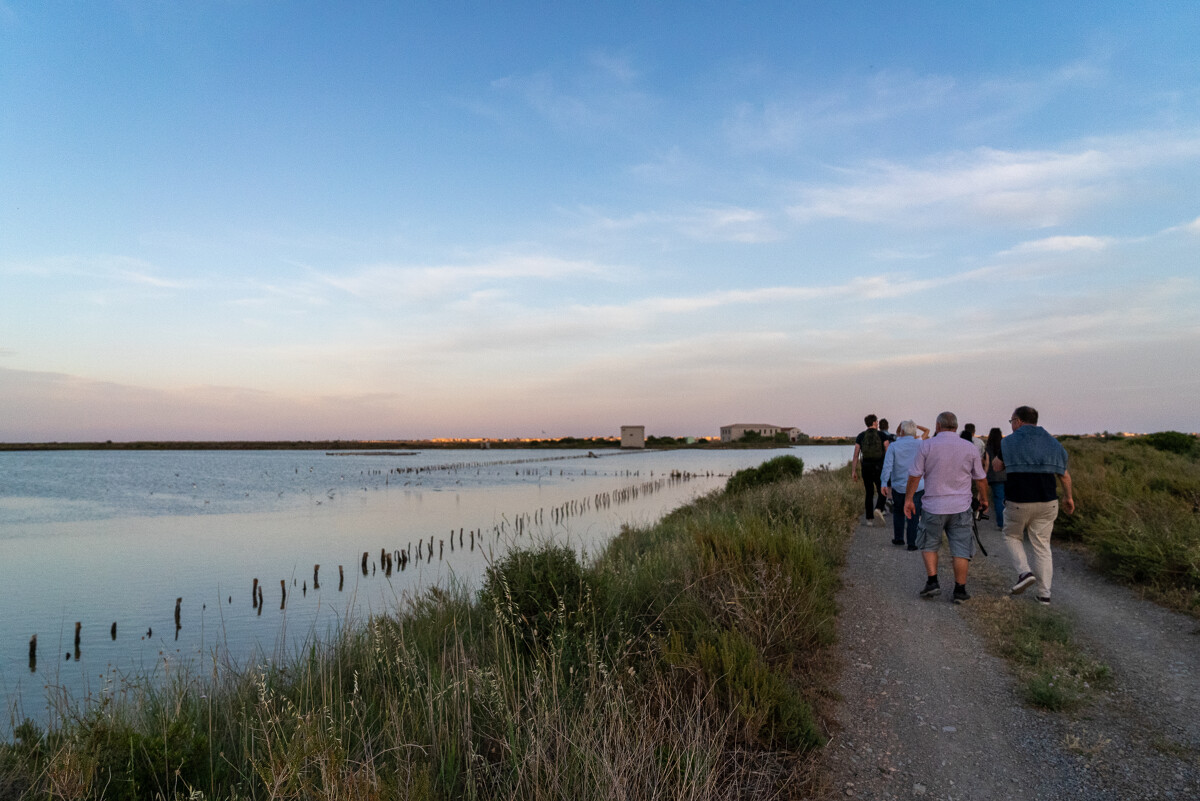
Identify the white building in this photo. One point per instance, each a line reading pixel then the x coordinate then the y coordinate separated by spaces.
pixel 732 433
pixel 633 436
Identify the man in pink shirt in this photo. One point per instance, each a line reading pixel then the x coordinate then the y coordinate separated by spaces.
pixel 948 464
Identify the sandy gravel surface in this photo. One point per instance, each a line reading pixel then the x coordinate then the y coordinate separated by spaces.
pixel 927 713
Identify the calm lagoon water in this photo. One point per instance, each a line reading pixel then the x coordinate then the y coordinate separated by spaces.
pixel 116 537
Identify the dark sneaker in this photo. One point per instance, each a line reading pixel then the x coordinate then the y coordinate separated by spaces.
pixel 1024 582
pixel 912 547
pixel 961 595
pixel 1044 600
pixel 932 588
pixel 897 542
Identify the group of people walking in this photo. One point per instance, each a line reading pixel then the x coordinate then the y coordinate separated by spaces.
pixel 939 487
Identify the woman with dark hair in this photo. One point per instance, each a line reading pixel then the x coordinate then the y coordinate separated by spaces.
pixel 995 478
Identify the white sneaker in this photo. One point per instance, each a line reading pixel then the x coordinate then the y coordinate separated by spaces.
pixel 879 517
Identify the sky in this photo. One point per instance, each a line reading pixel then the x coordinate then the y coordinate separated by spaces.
pixel 257 219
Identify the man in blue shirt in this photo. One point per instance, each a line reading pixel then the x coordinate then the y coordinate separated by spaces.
pixel 1033 458
pixel 896 461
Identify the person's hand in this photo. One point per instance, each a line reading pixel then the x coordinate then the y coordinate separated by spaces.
pixel 885 492
pixel 854 475
pixel 910 508
pixel 1068 505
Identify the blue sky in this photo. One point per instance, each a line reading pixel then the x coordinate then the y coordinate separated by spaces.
pixel 373 220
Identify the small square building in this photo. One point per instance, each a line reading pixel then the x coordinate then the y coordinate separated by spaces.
pixel 633 436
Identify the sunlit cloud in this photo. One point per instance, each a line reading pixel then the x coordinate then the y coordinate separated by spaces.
pixel 1036 189
pixel 1062 244
pixel 396 284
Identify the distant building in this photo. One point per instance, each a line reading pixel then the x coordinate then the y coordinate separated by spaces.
pixel 633 436
pixel 734 432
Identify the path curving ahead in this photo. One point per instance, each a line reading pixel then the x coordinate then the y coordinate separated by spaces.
pixel 926 712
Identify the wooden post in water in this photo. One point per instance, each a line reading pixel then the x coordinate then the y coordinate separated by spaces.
pixel 364 562
pixel 113 631
pixel 78 626
pixel 254 594
pixel 33 654
pixel 283 590
pixel 178 601
pixel 316 581
pixel 260 599
pixel 341 578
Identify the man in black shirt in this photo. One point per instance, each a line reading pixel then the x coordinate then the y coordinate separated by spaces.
pixel 1033 460
pixel 870 446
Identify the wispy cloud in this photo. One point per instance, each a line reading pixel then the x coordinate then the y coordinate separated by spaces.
pixel 699 224
pixel 402 284
pixel 1061 244
pixel 991 186
pixel 1036 189
pixel 601 95
pixel 785 124
pixel 114 269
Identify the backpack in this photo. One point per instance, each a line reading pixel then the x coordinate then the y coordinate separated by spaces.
pixel 872 444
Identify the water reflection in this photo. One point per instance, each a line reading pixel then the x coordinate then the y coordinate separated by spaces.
pixel 261 517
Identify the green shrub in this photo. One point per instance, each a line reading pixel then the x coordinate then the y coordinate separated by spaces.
pixel 1172 442
pixel 769 472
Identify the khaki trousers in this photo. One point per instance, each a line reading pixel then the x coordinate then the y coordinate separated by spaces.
pixel 1037 521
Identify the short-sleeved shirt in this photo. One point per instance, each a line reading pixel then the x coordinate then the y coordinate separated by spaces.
pixel 949 464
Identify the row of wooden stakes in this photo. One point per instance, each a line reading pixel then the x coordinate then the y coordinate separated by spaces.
pixel 400 558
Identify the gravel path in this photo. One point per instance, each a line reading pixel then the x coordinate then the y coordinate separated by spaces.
pixel 925 712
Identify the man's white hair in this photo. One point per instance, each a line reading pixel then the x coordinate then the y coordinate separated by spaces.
pixel 907 428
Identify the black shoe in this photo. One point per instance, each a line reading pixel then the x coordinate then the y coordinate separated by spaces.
pixel 961 595
pixel 1024 582
pixel 897 542
pixel 912 547
pixel 932 588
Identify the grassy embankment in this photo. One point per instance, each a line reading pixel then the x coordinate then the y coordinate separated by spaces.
pixel 686 661
pixel 1139 513
pixel 1138 516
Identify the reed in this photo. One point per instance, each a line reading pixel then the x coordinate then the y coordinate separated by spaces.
pixel 685 661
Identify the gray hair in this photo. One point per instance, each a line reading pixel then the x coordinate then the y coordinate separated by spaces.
pixel 947 421
pixel 907 428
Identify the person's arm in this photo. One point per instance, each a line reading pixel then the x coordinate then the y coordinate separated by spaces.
pixel 889 460
pixel 1068 503
pixel 854 463
pixel 981 485
pixel 910 490
pixel 924 431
